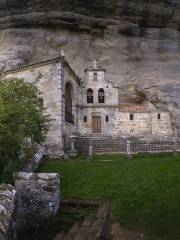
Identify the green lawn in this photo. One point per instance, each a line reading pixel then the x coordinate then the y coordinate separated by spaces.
pixel 145 191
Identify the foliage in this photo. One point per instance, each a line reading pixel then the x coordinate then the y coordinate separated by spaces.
pixel 22 118
pixel 145 191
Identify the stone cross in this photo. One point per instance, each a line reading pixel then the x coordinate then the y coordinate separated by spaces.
pixel 94 64
pixel 62 53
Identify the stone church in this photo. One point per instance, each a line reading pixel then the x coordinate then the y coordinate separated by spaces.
pixel 89 106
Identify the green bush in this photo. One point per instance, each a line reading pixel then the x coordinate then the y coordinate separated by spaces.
pixel 22 118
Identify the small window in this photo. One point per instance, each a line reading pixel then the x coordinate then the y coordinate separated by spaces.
pixel 159 116
pixel 95 76
pixel 90 96
pixel 107 118
pixel 131 117
pixel 85 119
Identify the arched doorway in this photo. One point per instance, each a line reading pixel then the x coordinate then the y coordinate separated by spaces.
pixel 69 117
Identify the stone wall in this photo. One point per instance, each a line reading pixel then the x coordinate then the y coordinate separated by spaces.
pixel 143 124
pixel 38 192
pixel 8 207
pixel 106 127
pixel 138 126
pixel 163 125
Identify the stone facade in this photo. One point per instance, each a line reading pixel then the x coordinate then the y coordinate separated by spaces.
pixel 90 106
pixel 142 120
pixel 163 125
pixel 38 192
pixel 95 80
pixel 114 118
pixel 8 207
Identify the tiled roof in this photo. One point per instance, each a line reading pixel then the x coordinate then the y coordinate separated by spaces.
pixel 135 108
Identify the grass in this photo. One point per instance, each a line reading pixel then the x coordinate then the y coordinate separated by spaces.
pixel 145 191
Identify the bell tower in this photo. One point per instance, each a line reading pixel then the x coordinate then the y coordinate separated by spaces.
pixel 95 73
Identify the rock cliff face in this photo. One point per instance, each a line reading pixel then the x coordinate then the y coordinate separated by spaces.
pixel 137 41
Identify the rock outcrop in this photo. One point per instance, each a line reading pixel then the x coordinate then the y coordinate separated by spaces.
pixel 136 41
pixel 38 193
pixel 8 208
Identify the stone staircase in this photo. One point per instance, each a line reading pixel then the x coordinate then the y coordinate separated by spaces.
pixel 97 226
pixel 93 227
pixel 109 145
pixel 101 144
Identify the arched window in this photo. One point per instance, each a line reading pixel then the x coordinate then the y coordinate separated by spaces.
pixel 101 95
pixel 90 96
pixel 68 104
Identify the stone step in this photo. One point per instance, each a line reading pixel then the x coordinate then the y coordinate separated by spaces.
pixel 98 223
pixel 94 226
pixel 72 232
pixel 84 230
pixel 60 236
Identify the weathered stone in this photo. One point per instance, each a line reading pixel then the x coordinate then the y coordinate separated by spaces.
pixel 38 192
pixel 8 208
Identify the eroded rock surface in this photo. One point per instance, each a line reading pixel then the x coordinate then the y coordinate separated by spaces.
pixel 8 208
pixel 136 41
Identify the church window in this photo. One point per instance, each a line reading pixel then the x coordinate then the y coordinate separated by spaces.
pixel 107 118
pixel 69 117
pixel 95 76
pixel 85 119
pixel 159 116
pixel 89 95
pixel 101 95
pixel 131 117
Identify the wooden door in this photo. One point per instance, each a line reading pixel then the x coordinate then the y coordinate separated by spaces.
pixel 96 124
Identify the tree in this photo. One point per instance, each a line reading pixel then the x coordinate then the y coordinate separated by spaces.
pixel 22 117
